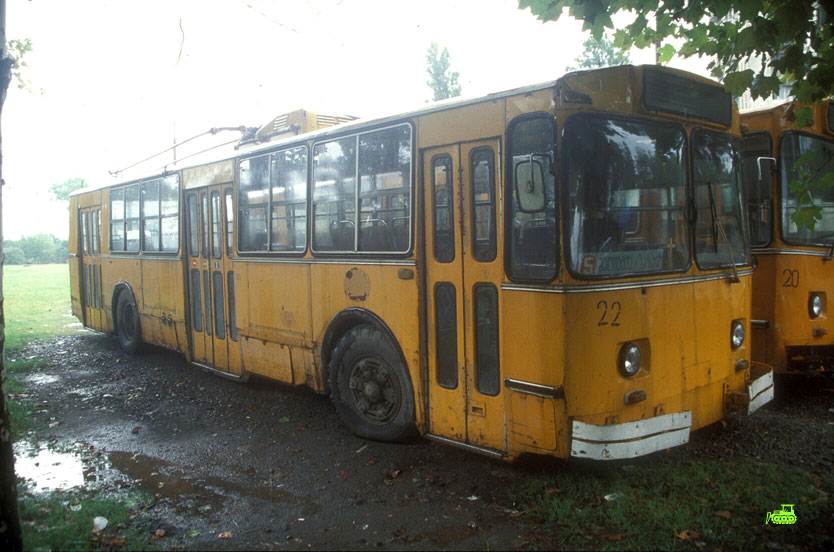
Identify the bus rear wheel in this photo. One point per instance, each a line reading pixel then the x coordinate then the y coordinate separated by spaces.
pixel 370 386
pixel 127 323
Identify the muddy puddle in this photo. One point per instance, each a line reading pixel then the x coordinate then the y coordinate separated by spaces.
pixel 82 467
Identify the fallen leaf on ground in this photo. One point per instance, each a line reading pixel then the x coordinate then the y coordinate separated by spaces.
pixel 687 534
pixel 344 475
pixel 553 490
pixel 159 533
pixel 226 535
pixel 616 538
pixel 372 461
pixel 725 514
pixel 305 428
pixel 283 419
pixel 136 430
pixel 399 532
pixel 192 533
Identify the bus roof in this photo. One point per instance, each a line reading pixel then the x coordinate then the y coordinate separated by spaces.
pixel 359 124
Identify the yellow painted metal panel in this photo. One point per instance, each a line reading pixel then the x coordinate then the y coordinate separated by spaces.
pixel 467 123
pixel 266 358
pixel 532 421
pixel 221 172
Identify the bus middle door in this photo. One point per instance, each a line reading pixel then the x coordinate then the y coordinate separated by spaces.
pixel 464 271
pixel 210 277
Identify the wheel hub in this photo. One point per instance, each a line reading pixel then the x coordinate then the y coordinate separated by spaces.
pixel 374 392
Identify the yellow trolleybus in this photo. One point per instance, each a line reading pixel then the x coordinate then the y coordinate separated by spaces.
pixel 559 269
pixel 791 326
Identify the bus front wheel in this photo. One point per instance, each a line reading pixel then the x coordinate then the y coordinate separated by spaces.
pixel 127 323
pixel 370 386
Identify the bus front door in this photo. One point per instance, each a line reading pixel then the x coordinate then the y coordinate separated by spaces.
pixel 211 278
pixel 90 234
pixel 463 275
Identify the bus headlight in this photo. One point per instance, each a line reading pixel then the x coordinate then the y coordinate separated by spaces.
pixel 815 305
pixel 630 360
pixel 736 335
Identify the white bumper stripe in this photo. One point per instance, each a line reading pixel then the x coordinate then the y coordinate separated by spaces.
pixel 760 384
pixel 760 391
pixel 632 439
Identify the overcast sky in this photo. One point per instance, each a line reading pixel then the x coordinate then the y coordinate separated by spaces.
pixel 121 79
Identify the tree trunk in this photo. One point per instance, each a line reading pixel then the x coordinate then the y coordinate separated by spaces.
pixel 10 537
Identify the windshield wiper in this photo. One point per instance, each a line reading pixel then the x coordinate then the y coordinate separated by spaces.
pixel 718 228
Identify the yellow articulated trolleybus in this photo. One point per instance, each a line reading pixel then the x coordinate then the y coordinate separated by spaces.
pixel 561 269
pixel 792 329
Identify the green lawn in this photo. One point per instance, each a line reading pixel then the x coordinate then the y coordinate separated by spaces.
pixel 686 505
pixel 37 303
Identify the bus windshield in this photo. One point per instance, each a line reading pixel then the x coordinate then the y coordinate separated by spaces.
pixel 818 160
pixel 626 184
pixel 721 231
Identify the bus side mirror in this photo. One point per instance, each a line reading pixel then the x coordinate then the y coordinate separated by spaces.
pixel 529 186
pixel 767 167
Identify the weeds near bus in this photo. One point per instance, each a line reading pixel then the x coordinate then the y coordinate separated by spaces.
pixel 62 520
pixel 653 506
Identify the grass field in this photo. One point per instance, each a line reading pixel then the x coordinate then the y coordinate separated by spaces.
pixel 697 503
pixel 37 304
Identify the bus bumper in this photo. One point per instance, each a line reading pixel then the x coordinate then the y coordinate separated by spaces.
pixel 632 439
pixel 759 390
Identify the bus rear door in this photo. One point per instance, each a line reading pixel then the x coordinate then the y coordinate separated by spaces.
pixel 463 270
pixel 90 221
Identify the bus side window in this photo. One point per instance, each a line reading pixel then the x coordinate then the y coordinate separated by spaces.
pixel 531 198
pixel 758 195
pixel 117 220
pixel 252 202
pixel 384 189
pixel 288 186
pixel 487 374
pixel 230 222
pixel 482 176
pixel 193 227
pixel 444 212
pixel 132 217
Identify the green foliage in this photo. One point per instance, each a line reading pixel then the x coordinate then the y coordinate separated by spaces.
pixel 37 304
pixel 658 506
pixel 18 51
pixel 38 249
pixel 62 191
pixel 442 80
pixel 803 187
pixel 600 53
pixel 14 255
pixel 793 40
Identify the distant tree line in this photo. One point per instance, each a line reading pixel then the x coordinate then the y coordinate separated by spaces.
pixel 37 249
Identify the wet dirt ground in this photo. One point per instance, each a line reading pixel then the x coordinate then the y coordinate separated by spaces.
pixel 274 466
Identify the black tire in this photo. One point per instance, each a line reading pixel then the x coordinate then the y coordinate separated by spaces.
pixel 127 323
pixel 370 386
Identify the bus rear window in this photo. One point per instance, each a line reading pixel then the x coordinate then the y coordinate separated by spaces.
pixel 676 94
